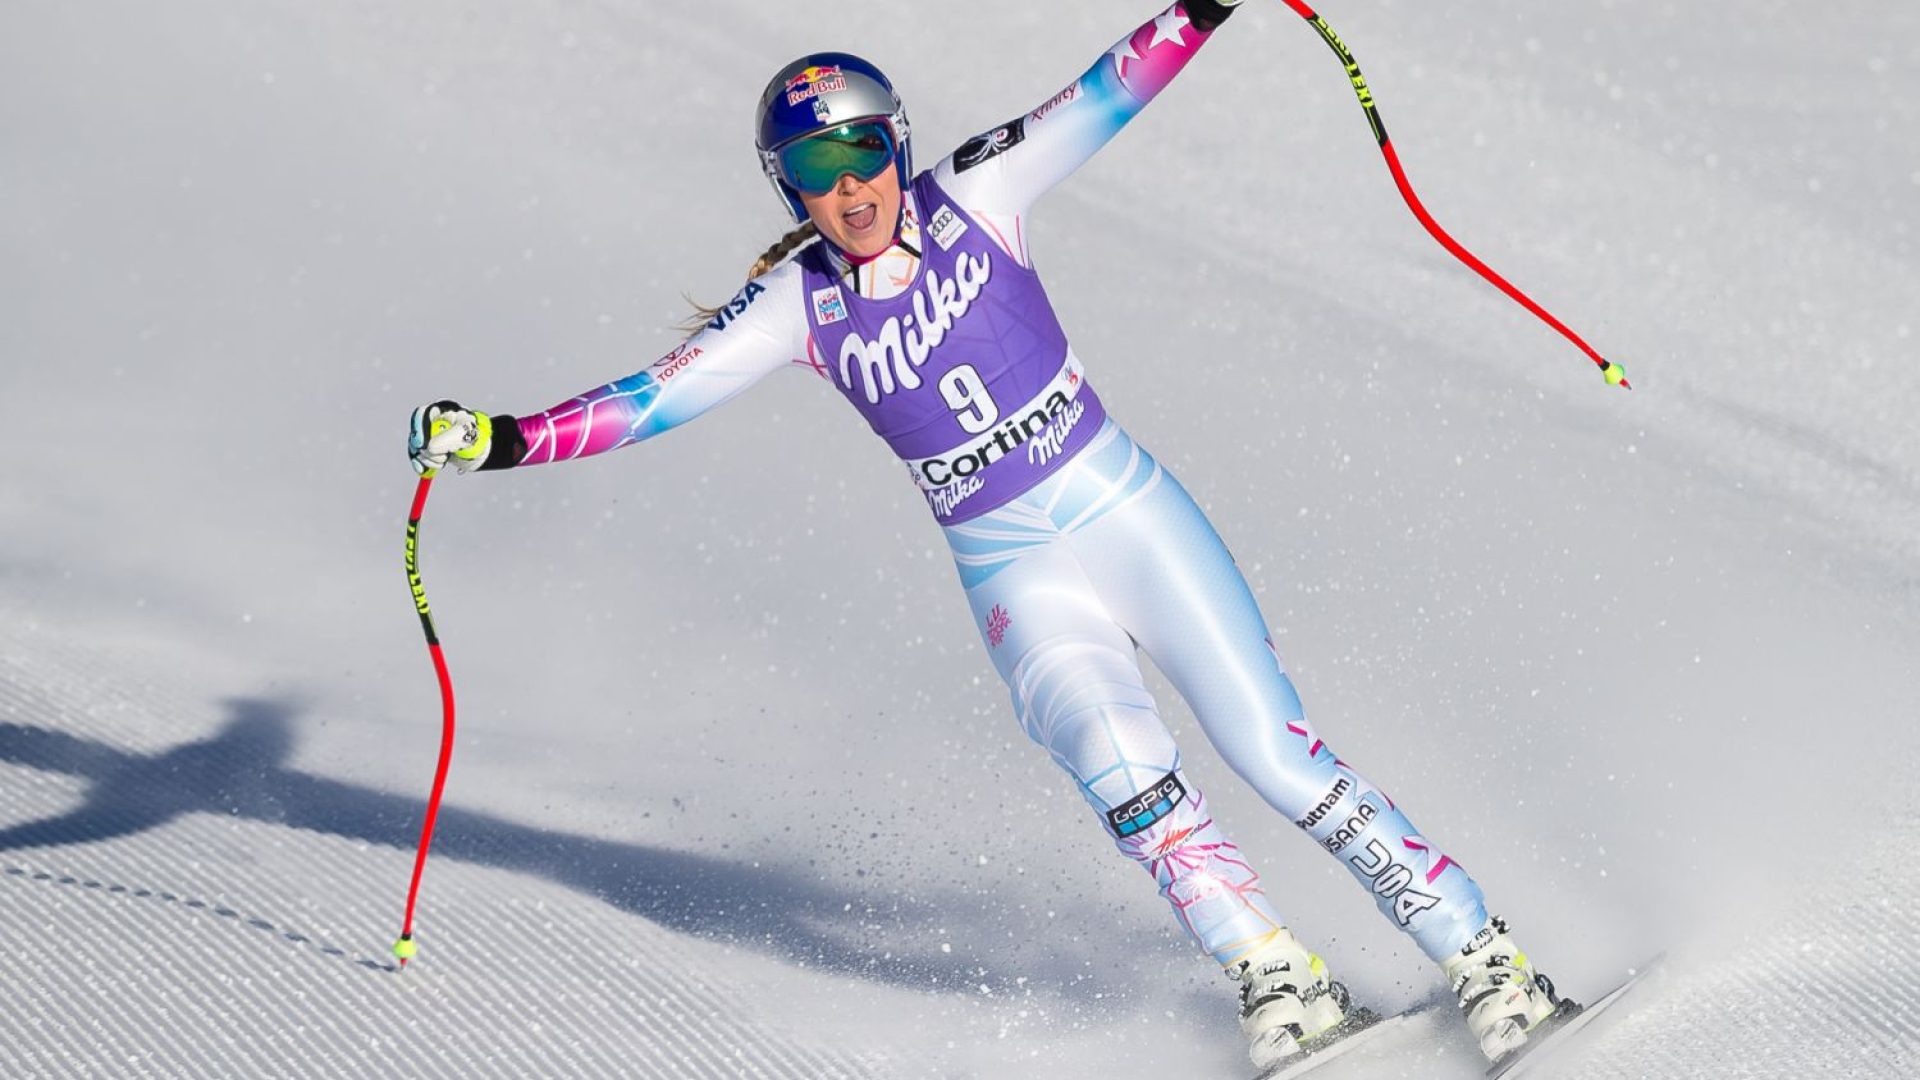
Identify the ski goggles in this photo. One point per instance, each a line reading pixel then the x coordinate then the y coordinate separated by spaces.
pixel 814 164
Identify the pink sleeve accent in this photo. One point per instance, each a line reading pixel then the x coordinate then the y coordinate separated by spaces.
pixel 749 338
pixel 1046 145
pixel 1148 60
pixel 593 423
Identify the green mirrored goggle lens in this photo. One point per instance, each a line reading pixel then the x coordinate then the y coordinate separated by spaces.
pixel 816 163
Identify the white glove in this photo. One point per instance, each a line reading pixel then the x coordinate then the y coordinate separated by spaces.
pixel 443 433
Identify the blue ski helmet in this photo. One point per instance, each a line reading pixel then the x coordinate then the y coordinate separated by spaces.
pixel 822 91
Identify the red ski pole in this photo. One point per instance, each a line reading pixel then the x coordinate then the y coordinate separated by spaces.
pixel 1615 374
pixel 404 947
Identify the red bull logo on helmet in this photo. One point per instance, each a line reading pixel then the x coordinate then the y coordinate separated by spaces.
pixel 812 82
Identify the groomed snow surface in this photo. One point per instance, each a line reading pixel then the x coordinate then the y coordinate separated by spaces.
pixel 735 793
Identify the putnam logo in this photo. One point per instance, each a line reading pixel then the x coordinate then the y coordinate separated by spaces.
pixel 813 82
pixel 1326 805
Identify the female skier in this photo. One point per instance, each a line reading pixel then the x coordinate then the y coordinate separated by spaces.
pixel 913 294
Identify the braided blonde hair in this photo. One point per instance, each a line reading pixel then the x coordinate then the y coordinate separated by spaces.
pixel 801 235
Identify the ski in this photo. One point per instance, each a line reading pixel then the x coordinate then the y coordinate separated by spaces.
pixel 1362 1027
pixel 1561 1028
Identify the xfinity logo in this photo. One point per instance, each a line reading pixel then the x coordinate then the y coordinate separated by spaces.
pixel 890 360
pixel 1071 93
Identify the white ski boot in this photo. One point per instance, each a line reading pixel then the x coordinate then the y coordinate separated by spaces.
pixel 1500 994
pixel 1286 1001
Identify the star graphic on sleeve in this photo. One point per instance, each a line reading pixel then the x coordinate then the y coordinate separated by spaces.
pixel 1122 53
pixel 1167 26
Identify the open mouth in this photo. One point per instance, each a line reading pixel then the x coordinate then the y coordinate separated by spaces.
pixel 862 217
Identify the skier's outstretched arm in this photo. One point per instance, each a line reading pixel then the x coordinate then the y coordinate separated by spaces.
pixel 760 330
pixel 1005 170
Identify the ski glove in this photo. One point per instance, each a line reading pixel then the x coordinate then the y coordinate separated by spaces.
pixel 1207 15
pixel 444 433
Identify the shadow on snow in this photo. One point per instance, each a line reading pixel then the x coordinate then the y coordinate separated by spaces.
pixel 240 772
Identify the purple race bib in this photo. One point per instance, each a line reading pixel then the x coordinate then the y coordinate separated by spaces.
pixel 966 375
